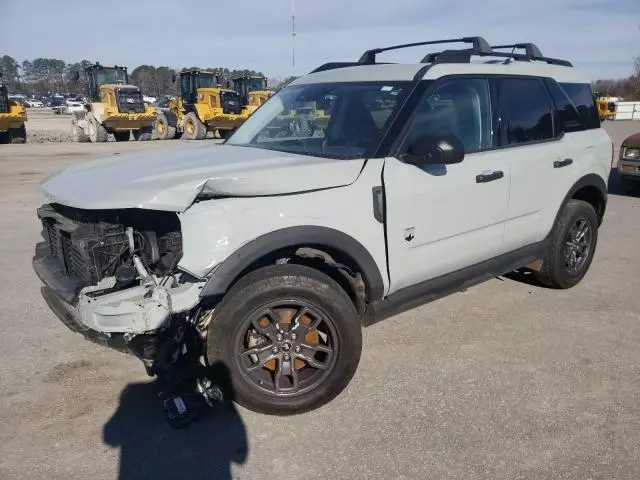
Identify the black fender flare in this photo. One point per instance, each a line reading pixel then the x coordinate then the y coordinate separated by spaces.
pixel 309 236
pixel 590 180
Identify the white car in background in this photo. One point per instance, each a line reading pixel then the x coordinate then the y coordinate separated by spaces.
pixel 33 103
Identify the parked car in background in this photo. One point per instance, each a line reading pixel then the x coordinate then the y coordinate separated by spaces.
pixel 33 103
pixel 629 163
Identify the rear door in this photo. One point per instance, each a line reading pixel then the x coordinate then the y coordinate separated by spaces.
pixel 442 218
pixel 544 135
pixel 526 133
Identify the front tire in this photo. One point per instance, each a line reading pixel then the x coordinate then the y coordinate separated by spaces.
pixel 18 135
pixel 77 132
pixel 122 136
pixel 627 185
pixel 97 133
pixel 573 245
pixel 194 129
pixel 290 337
pixel 164 130
pixel 143 134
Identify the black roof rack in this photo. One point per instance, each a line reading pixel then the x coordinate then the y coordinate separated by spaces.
pixel 464 56
pixel 530 49
pixel 334 65
pixel 479 45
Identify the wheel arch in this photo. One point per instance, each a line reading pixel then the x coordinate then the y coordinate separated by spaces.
pixel 268 248
pixel 592 189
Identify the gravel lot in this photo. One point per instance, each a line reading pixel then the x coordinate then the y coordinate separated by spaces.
pixel 503 381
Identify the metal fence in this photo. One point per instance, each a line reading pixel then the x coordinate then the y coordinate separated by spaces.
pixel 627 111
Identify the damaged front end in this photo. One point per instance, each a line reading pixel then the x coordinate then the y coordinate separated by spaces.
pixel 112 276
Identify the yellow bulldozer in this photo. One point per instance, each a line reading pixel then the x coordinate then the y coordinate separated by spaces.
pixel 114 107
pixel 12 118
pixel 202 106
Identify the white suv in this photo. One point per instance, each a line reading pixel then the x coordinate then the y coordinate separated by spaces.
pixel 359 190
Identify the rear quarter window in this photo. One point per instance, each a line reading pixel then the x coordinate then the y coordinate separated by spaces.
pixel 567 113
pixel 581 96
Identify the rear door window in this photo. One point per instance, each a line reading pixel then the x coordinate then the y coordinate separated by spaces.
pixel 525 111
pixel 581 96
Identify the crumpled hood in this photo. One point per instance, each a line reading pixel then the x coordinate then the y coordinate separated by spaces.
pixel 171 179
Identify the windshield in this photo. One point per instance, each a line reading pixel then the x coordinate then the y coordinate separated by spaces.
pixel 205 81
pixel 110 76
pixel 254 84
pixel 345 120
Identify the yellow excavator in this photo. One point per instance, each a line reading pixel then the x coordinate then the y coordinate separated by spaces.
pixel 114 107
pixel 12 118
pixel 202 106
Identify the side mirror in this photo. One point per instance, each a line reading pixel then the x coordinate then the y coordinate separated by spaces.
pixel 434 150
pixel 75 76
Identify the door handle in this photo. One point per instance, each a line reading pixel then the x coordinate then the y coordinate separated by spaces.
pixel 562 163
pixel 489 176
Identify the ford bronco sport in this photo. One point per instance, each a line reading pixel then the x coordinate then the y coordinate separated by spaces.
pixel 269 253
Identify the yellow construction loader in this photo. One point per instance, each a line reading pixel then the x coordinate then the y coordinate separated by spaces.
pixel 202 106
pixel 114 107
pixel 253 91
pixel 12 118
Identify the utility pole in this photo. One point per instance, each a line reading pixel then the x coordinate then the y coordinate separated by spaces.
pixel 293 37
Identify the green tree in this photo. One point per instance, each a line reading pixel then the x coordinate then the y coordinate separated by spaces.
pixel 10 73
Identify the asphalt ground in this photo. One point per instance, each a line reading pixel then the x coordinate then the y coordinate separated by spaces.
pixel 503 381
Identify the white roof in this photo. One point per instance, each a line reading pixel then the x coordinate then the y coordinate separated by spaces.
pixel 404 72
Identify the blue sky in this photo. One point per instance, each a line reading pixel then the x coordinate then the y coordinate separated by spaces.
pixel 601 36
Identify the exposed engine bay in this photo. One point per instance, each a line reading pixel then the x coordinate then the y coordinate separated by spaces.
pixel 118 268
pixel 94 245
pixel 112 276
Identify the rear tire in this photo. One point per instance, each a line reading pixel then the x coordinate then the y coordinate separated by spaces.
pixel 143 134
pixel 571 252
pixel 18 135
pixel 97 133
pixel 122 136
pixel 306 303
pixel 193 129
pixel 77 133
pixel 163 129
pixel 4 137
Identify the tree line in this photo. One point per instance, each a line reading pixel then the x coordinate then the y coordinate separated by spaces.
pixel 43 75
pixel 627 88
pixel 53 75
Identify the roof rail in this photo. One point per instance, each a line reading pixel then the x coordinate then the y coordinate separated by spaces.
pixel 464 56
pixel 530 49
pixel 333 66
pixel 479 45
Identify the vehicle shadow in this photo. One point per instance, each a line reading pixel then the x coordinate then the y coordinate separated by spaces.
pixel 524 275
pixel 150 448
pixel 615 187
